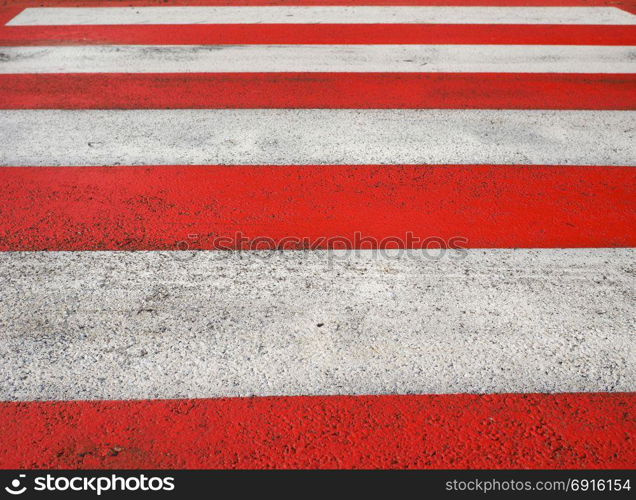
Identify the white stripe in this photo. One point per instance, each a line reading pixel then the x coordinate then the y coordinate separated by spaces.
pixel 316 136
pixel 317 15
pixel 316 58
pixel 121 325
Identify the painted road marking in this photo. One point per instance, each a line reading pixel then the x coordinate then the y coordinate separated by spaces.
pixel 152 325
pixel 318 90
pixel 142 322
pixel 161 207
pixel 310 136
pixel 322 14
pixel 237 34
pixel 514 431
pixel 319 58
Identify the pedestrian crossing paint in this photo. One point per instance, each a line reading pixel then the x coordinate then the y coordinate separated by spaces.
pixel 319 58
pixel 140 325
pixel 402 230
pixel 325 14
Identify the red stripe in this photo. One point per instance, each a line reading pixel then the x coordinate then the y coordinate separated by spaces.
pixel 160 207
pixel 319 34
pixel 592 431
pixel 6 14
pixel 318 90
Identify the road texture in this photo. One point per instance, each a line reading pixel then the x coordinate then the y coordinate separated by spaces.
pixel 358 234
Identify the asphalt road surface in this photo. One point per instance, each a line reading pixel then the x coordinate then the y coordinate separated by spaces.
pixel 398 234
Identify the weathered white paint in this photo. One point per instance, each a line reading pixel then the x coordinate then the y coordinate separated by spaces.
pixel 310 136
pixel 319 58
pixel 320 14
pixel 122 325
